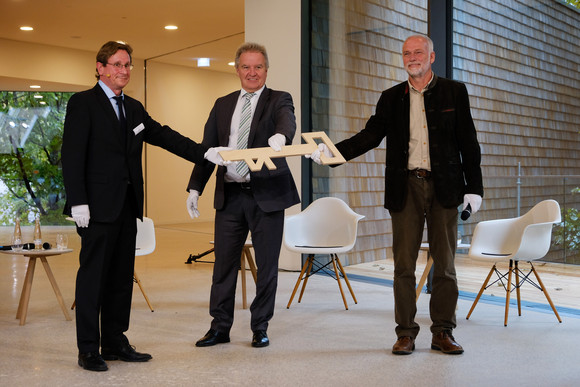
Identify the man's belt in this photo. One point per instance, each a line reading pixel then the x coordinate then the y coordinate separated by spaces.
pixel 239 186
pixel 420 173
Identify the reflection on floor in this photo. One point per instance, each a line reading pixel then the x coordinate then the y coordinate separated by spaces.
pixel 316 342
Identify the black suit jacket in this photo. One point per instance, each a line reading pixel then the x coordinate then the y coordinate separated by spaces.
pixel 274 190
pixel 453 146
pixel 99 159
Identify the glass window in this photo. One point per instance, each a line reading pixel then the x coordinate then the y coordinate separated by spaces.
pixel 31 184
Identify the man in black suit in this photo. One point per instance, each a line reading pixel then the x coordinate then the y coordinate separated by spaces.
pixel 104 132
pixel 432 166
pixel 244 200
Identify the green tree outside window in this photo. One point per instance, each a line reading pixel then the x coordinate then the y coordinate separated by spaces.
pixel 31 183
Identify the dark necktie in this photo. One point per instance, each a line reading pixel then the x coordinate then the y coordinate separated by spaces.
pixel 122 119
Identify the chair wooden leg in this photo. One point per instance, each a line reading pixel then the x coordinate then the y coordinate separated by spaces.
pixel 332 257
pixel 138 282
pixel 298 282
pixel 424 276
pixel 346 279
pixel 480 292
pixel 306 276
pixel 251 263
pixel 546 293
pixel 517 272
pixel 243 276
pixel 508 292
pixel 142 290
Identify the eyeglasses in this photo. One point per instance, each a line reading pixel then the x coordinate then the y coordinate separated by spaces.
pixel 119 66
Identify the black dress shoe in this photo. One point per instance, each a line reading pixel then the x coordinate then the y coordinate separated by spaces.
pixel 125 352
pixel 213 337
pixel 260 339
pixel 92 361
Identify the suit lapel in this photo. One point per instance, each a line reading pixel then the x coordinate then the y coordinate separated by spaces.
pixel 131 124
pixel 115 126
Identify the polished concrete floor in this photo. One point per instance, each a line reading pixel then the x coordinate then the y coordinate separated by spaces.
pixel 314 343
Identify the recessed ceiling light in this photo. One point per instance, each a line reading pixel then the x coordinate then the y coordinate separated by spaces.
pixel 171 27
pixel 232 64
pixel 34 86
pixel 26 28
pixel 203 62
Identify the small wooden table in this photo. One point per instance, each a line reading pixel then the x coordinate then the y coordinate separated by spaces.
pixel 25 295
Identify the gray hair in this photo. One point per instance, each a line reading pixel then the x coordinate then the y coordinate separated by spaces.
pixel 251 47
pixel 424 37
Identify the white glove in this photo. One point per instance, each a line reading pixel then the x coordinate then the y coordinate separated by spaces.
pixel 213 155
pixel 191 203
pixel 81 215
pixel 473 200
pixel 322 149
pixel 277 141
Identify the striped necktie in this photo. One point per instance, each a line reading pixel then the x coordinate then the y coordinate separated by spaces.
pixel 244 131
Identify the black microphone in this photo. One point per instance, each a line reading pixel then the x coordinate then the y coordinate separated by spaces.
pixel 465 214
pixel 46 246
pixel 25 246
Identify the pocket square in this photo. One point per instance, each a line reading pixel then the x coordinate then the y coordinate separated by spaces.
pixel 138 128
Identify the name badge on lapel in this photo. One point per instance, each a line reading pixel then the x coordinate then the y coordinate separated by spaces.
pixel 138 128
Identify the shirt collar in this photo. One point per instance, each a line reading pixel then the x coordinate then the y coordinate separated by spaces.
pixel 430 84
pixel 109 93
pixel 257 92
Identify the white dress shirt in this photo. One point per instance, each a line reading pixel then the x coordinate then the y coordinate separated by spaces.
pixel 231 174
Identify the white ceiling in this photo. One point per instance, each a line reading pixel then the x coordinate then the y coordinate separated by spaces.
pixel 211 29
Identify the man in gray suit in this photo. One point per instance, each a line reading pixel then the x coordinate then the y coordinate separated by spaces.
pixel 252 117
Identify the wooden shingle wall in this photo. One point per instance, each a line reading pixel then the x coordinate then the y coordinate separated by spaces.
pixel 520 62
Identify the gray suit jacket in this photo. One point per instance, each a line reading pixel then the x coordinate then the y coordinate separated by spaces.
pixel 274 190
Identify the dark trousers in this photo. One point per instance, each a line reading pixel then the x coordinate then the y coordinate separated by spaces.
pixel 241 214
pixel 408 224
pixel 104 284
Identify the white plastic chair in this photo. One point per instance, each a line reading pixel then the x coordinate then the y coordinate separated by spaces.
pixel 525 238
pixel 327 226
pixel 144 245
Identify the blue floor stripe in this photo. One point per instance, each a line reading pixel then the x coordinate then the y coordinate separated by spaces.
pixel 469 296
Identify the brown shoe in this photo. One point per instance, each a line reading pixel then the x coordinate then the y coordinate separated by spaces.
pixel 404 346
pixel 444 342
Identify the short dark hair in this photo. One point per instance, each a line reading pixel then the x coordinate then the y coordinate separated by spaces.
pixel 251 47
pixel 109 49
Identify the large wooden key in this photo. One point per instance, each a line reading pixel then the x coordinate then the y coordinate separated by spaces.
pixel 257 157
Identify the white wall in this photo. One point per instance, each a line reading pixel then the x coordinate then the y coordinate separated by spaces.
pixel 182 98
pixel 63 69
pixel 276 24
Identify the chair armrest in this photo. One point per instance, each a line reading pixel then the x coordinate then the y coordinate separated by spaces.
pixel 535 242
